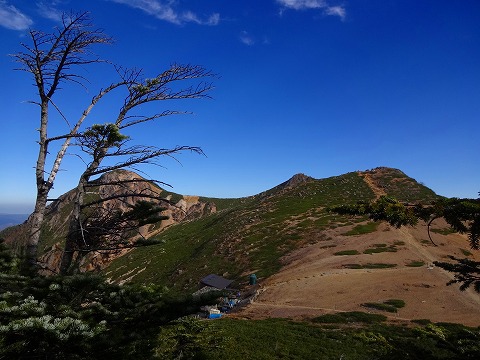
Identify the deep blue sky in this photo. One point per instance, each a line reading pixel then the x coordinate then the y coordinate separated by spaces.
pixel 311 86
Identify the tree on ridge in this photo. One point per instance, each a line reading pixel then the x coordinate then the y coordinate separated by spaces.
pixel 54 58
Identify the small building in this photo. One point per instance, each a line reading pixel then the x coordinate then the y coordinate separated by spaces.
pixel 216 281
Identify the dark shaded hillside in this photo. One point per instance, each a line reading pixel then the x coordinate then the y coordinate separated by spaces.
pixel 252 234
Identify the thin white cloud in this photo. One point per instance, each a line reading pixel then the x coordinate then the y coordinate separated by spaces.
pixel 49 10
pixel 303 4
pixel 336 11
pixel 189 16
pixel 246 38
pixel 12 18
pixel 164 10
pixel 214 19
pixel 314 4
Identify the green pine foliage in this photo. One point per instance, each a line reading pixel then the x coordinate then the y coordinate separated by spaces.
pixel 82 316
pixel 462 215
pixel 350 317
pixel 189 338
pixel 390 305
pixel 466 272
pixel 353 335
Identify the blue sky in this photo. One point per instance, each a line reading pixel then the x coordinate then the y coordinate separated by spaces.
pixel 311 86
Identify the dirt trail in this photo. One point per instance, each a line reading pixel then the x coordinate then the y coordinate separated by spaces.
pixel 427 255
pixel 314 280
pixel 377 190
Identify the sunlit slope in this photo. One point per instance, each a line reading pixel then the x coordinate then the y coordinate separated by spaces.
pixel 253 234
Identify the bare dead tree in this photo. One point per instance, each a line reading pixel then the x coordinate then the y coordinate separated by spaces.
pixel 55 58
pixel 109 229
pixel 104 141
pixel 52 58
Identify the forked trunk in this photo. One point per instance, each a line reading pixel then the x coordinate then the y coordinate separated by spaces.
pixel 35 224
pixel 74 230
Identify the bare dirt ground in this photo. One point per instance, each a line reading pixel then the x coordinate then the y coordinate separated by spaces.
pixel 314 281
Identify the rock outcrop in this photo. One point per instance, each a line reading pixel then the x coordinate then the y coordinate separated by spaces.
pixel 109 187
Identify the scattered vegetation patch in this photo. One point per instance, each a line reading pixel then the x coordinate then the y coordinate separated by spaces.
pixel 421 321
pixel 445 231
pixel 328 246
pixel 415 263
pixel 380 306
pixel 379 266
pixel 391 305
pixel 369 266
pixel 375 250
pixel 350 317
pixel 466 252
pixel 363 229
pixel 346 252
pixel 353 266
pixel 398 243
pixel 398 303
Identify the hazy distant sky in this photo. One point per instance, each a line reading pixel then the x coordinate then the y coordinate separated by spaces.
pixel 321 87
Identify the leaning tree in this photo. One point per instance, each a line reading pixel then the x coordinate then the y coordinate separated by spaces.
pixel 92 226
pixel 55 58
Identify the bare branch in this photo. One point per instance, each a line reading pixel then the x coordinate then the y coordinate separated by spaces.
pixel 145 157
pixel 127 195
pixel 127 181
pixel 52 57
pixel 143 119
pixel 59 111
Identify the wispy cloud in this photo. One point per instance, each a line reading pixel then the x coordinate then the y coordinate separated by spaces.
pixel 246 38
pixel 189 16
pixel 165 10
pixel 336 11
pixel 49 10
pixel 12 18
pixel 314 4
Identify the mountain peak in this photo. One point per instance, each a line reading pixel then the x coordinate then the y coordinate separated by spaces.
pixel 295 180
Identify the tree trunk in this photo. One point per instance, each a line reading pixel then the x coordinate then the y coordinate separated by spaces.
pixel 75 237
pixel 43 188
pixel 75 231
pixel 35 225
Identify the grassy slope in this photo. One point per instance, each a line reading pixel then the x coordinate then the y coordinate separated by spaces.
pixel 396 184
pixel 283 339
pixel 252 234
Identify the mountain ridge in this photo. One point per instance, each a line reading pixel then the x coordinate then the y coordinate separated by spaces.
pixel 283 207
pixel 254 233
pixel 308 261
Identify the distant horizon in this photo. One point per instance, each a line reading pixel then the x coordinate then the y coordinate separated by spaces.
pixel 7 220
pixel 17 212
pixel 26 213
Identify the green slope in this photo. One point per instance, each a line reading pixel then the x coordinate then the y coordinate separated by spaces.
pixel 252 234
